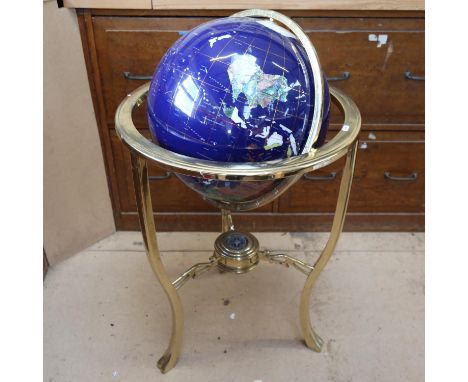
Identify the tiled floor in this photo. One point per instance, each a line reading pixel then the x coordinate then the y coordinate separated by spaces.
pixel 107 319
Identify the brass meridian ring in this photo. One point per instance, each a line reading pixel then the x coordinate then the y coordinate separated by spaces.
pixel 314 62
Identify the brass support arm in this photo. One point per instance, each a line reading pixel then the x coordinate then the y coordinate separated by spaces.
pixel 194 271
pixel 286 260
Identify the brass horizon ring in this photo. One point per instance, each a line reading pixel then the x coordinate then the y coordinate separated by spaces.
pixel 238 171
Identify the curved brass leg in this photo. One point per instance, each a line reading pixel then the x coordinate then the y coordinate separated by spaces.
pixel 148 229
pixel 312 340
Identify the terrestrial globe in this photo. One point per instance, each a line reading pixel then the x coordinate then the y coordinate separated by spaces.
pixel 235 89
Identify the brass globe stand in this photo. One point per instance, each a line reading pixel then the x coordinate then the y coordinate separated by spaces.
pixel 235 251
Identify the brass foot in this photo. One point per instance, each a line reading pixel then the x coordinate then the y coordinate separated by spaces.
pixel 314 343
pixel 165 364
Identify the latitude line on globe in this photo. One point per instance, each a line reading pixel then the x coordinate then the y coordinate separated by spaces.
pixel 224 90
pixel 221 89
pixel 227 64
pixel 203 82
pixel 251 45
pixel 256 47
pixel 243 43
pixel 267 54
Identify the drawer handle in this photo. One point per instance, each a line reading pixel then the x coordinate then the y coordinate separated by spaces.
pixel 330 176
pixel 160 177
pixel 411 76
pixel 343 77
pixel 130 76
pixel 408 178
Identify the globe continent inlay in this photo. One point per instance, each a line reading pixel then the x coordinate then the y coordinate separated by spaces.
pixel 234 90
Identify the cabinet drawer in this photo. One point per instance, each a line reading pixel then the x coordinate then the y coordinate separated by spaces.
pixel 133 45
pixel 389 177
pixel 377 81
pixel 168 193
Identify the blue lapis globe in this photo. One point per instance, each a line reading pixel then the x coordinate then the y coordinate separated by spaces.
pixel 234 89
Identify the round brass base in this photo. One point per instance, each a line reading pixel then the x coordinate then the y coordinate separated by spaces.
pixel 236 251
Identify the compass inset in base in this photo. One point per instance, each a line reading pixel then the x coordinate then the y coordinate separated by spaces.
pixel 236 251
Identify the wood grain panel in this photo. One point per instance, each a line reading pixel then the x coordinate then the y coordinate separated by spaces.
pixel 377 80
pixel 399 153
pixel 246 4
pixel 119 4
pixel 296 4
pixel 227 12
pixel 134 45
pixel 301 222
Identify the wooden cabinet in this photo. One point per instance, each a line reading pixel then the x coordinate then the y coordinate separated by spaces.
pixel 389 177
pixel 375 69
pixel 131 47
pixel 375 57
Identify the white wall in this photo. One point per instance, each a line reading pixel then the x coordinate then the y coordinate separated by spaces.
pixel 77 208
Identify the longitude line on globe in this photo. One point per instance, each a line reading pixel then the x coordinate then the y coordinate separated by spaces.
pixel 219 109
pixel 284 65
pixel 301 92
pixel 213 60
